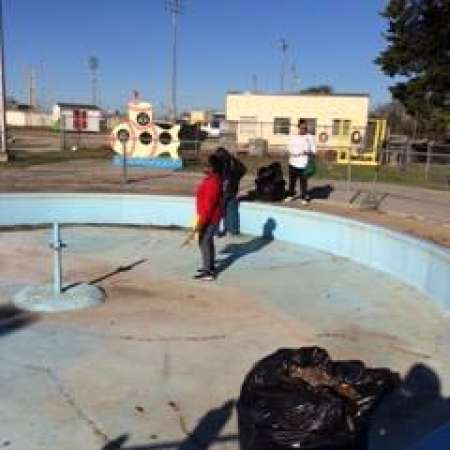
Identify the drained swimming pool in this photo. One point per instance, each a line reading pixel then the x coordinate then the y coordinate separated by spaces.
pixel 165 353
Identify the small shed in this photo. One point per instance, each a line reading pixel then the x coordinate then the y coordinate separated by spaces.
pixel 24 115
pixel 78 117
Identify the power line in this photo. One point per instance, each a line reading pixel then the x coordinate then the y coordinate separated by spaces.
pixel 174 8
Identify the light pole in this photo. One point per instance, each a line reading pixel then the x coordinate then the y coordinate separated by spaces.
pixel 3 136
pixel 174 7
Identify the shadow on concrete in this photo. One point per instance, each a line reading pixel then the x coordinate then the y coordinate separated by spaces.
pixel 408 418
pixel 120 269
pixel 104 277
pixel 13 319
pixel 321 192
pixel 205 434
pixel 414 417
pixel 237 251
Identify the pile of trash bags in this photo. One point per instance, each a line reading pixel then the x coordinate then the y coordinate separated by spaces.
pixel 270 184
pixel 302 399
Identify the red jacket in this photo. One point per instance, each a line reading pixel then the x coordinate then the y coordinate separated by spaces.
pixel 209 200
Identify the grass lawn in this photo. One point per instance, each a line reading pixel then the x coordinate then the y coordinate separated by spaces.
pixel 22 159
pixel 414 175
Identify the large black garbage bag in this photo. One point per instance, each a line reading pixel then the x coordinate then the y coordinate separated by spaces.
pixel 302 399
pixel 270 184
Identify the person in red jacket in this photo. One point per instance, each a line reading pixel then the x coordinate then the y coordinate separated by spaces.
pixel 209 215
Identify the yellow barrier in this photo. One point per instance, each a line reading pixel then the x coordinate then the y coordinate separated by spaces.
pixel 364 151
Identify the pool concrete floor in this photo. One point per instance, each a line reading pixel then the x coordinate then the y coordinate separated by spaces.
pixel 156 366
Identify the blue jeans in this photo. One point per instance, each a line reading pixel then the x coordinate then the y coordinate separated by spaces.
pixel 231 215
pixel 207 248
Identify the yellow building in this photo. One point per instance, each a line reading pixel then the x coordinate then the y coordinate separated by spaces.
pixel 337 120
pixel 198 116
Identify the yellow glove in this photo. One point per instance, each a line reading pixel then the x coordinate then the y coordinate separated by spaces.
pixel 193 232
pixel 193 221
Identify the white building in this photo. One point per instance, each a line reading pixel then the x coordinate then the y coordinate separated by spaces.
pixel 15 118
pixel 78 117
pixel 23 115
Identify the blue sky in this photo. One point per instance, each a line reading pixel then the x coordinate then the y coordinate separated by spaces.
pixel 222 45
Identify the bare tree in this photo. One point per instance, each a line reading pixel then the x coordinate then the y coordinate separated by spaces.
pixel 398 120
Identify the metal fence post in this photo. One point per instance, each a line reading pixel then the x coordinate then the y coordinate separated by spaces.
pixel 408 151
pixel 62 130
pixel 124 163
pixel 349 171
pixel 196 144
pixel 428 163
pixel 403 157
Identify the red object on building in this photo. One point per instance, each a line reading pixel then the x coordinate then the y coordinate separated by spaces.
pixel 84 120
pixel 80 119
pixel 76 119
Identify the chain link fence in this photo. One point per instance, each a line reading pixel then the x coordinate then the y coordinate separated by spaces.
pixel 344 152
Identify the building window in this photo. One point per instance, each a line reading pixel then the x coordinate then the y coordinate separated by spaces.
pixel 282 125
pixel 346 127
pixel 247 125
pixel 311 124
pixel 341 127
pixel 336 127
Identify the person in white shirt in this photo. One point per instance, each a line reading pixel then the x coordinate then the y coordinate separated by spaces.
pixel 301 147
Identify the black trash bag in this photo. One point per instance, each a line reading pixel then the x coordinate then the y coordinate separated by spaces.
pixel 303 399
pixel 270 184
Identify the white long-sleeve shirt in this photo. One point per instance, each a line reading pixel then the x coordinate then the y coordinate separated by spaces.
pixel 300 145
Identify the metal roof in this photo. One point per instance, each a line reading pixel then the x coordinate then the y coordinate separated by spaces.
pixel 77 105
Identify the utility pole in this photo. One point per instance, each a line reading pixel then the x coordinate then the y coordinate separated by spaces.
pixel 283 46
pixel 174 7
pixel 3 136
pixel 295 77
pixel 93 67
pixel 31 88
pixel 255 82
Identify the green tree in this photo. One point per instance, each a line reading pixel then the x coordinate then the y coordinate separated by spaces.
pixel 418 54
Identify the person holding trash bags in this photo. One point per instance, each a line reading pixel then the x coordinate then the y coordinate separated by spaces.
pixel 301 148
pixel 232 172
pixel 209 214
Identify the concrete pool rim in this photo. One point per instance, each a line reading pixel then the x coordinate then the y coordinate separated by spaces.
pixel 416 262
